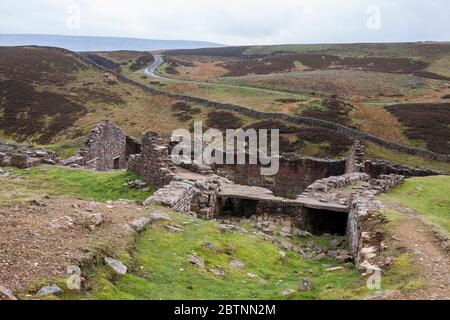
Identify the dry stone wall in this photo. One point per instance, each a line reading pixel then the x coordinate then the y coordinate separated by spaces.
pixel 296 173
pixel 365 245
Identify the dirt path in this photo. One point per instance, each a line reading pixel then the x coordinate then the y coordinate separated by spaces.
pixel 418 237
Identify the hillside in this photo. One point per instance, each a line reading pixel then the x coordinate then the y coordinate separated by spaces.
pixel 63 97
pixel 386 85
pixel 83 43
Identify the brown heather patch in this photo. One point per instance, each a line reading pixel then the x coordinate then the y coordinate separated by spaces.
pixel 337 143
pixel 142 62
pixel 102 61
pixel 335 111
pixel 27 113
pixel 379 122
pixel 429 122
pixel 38 65
pixel 223 120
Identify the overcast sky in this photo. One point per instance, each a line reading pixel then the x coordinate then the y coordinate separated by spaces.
pixel 234 21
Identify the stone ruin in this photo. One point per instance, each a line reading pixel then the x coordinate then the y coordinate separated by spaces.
pixel 25 156
pixel 107 148
pixel 313 195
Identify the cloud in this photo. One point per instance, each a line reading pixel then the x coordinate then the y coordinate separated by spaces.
pixel 234 22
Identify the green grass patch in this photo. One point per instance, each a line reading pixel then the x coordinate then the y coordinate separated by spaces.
pixel 429 196
pixel 89 185
pixel 162 269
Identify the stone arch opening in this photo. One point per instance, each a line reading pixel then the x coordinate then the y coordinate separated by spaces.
pixel 319 222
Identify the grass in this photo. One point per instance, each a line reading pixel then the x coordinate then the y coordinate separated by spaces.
pixel 56 181
pixel 429 196
pixel 162 270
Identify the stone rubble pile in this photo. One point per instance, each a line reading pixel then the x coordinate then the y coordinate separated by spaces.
pixel 25 156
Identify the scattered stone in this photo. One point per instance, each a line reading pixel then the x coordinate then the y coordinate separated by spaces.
pixel 139 225
pixel 236 264
pixel 158 216
pixel 117 266
pixel 49 290
pixel 287 292
pixel 336 242
pixel 97 219
pixel 7 294
pixel 285 235
pixel 173 229
pixel 334 269
pixel 305 285
pixel 303 234
pixel 199 262
pixel 282 254
pixel 252 275
pixel 232 228
pixel 344 258
pixel 209 246
pixel 217 272
pixel 308 271
pixel 74 280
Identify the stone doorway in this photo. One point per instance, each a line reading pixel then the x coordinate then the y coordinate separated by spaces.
pixel 319 222
pixel 116 163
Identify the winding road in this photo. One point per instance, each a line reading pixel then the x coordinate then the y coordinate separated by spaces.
pixel 151 70
pixel 159 61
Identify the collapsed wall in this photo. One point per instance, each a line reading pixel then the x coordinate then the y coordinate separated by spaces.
pixel 154 162
pixel 25 156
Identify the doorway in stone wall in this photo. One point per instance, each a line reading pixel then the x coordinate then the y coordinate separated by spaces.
pixel 116 163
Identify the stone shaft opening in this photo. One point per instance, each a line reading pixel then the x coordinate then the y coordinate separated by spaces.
pixel 237 207
pixel 319 222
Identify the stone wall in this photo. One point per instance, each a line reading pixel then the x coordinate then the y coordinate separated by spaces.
pixel 376 168
pixel 296 173
pixel 363 244
pixel 106 148
pixel 190 197
pixel 154 162
pixel 356 158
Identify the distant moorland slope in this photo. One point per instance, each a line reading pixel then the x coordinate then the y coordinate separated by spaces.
pixel 81 43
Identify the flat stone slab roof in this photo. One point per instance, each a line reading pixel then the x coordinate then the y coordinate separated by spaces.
pixel 261 194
